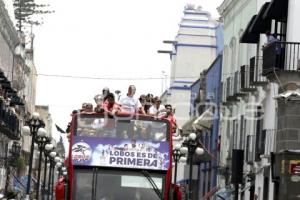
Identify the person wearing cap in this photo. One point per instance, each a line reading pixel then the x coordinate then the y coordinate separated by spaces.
pixel 131 104
pixel 156 109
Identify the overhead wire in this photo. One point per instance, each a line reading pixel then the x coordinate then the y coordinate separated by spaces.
pixel 110 78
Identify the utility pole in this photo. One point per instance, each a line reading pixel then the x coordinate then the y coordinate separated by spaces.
pixel 162 81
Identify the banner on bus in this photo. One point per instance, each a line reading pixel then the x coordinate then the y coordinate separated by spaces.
pixel 112 152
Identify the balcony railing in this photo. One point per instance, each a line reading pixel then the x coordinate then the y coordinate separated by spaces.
pixel 245 79
pixel 256 71
pixel 9 122
pixel 281 56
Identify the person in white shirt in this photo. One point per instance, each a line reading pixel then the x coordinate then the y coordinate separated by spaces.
pixel 131 104
pixel 157 109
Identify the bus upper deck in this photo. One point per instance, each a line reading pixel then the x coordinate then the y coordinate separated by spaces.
pixel 131 153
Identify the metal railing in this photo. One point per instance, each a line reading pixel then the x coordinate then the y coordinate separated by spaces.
pixel 9 122
pixel 256 71
pixel 281 56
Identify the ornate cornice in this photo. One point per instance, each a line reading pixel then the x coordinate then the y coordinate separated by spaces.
pixel 7 29
pixel 225 7
pixel 229 9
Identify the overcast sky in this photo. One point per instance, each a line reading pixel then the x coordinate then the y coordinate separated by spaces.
pixel 110 39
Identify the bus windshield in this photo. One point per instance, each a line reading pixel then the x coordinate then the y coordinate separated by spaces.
pixel 104 127
pixel 107 184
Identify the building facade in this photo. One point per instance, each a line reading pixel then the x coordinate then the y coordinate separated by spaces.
pixel 209 134
pixel 258 140
pixel 197 55
pixel 194 49
pixel 17 96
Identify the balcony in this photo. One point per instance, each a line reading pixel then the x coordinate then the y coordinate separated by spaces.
pixel 9 122
pixel 245 79
pixel 256 72
pixel 281 57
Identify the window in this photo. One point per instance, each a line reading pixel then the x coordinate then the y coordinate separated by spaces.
pixel 83 185
pixel 105 127
pixel 259 138
pixel 109 184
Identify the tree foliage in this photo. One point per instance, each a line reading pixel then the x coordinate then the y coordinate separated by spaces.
pixel 27 12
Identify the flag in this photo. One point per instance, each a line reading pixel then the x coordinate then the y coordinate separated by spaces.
pixel 59 129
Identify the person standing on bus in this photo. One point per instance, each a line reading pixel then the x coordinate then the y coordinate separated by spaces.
pixel 110 106
pixel 131 104
pixel 156 109
pixel 100 99
pixel 171 117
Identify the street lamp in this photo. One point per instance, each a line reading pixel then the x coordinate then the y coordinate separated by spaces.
pixel 48 148
pixel 52 155
pixel 31 128
pixel 177 156
pixel 190 146
pixel 42 139
pixel 57 160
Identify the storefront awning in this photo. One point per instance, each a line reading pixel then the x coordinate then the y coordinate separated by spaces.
pixel 204 121
pixel 187 127
pixel 261 24
pixel 247 36
pixel 277 10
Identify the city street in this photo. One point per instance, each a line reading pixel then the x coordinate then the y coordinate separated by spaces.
pixel 149 100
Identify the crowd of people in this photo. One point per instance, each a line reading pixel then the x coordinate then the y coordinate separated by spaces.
pixel 145 105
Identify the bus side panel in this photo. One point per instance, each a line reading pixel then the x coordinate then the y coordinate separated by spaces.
pixel 169 173
pixel 70 164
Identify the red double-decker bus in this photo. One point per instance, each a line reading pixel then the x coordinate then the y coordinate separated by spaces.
pixel 126 157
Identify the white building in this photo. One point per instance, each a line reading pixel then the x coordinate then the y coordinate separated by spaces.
pixel 194 49
pixel 250 107
pixel 18 89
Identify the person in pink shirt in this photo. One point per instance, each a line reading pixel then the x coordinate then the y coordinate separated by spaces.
pixel 110 106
